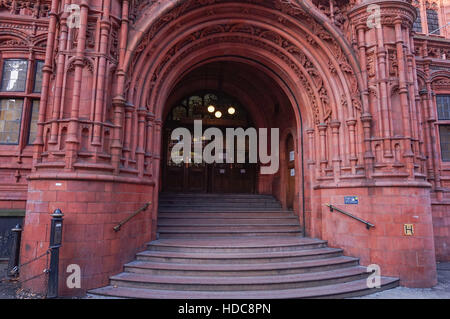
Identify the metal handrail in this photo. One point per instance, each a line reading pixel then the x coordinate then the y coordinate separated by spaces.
pixel 125 220
pixel 368 224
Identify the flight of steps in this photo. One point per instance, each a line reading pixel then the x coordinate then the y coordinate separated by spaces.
pixel 236 246
pixel 223 215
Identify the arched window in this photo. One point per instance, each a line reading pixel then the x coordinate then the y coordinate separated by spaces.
pixel 21 81
pixel 211 106
pixel 417 26
pixel 432 18
pixel 443 110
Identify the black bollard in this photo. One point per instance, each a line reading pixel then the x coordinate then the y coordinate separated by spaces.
pixel 13 265
pixel 55 244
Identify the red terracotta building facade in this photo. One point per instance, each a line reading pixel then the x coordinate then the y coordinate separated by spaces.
pixel 359 89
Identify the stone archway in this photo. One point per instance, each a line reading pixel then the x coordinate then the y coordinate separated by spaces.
pixel 329 87
pixel 281 40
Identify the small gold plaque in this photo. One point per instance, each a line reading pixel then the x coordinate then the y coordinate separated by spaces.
pixel 409 229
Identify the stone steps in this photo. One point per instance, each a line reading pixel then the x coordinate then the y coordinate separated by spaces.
pixel 225 214
pixel 207 222
pixel 233 258
pixel 255 269
pixel 233 246
pixel 237 244
pixel 237 283
pixel 237 201
pixel 353 288
pixel 214 196
pixel 218 209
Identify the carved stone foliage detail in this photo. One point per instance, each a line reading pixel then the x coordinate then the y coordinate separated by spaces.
pixel 438 53
pixel 393 64
pixel 86 62
pixel 33 8
pixel 283 7
pixel 13 39
pixel 441 83
pixel 371 65
pixel 432 5
pixel 13 43
pixel 239 33
pixel 137 8
pixel 335 10
pixel 114 41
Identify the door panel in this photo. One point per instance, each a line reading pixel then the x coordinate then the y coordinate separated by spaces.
pixel 174 179
pixel 196 179
pixel 212 178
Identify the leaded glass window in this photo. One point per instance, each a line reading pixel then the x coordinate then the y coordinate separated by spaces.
pixel 443 106
pixel 433 21
pixel 10 118
pixel 14 75
pixel 38 77
pixel 444 135
pixel 33 121
pixel 417 26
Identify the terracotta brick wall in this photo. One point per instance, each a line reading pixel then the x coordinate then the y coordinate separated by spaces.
pixel 411 258
pixel 91 210
pixel 441 229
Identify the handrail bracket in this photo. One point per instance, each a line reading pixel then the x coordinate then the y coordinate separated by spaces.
pixel 332 208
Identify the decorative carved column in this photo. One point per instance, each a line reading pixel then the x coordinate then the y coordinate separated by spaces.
pixel 105 26
pixel 336 159
pixel 311 159
pixel 369 158
pixel 323 147
pixel 382 84
pixel 59 79
pixel 119 100
pixel 414 96
pixel 45 89
pixel 431 120
pixel 140 150
pixel 351 124
pixel 149 147
pixel 72 140
pixel 129 108
pixel 366 117
pixel 157 145
pixel 405 104
pixel 427 135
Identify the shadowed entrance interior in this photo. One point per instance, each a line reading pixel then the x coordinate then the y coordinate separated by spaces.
pixel 215 110
pixel 224 94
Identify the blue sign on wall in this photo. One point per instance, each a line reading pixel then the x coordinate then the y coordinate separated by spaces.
pixel 350 199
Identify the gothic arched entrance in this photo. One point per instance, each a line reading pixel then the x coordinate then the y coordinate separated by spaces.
pixel 107 95
pixel 287 70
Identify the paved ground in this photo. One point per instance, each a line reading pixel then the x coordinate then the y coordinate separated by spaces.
pixel 7 288
pixel 440 291
pixel 11 289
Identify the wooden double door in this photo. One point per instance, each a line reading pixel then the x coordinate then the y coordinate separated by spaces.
pixel 210 178
pixel 206 178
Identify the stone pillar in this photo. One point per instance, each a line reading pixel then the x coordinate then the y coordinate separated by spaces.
pixel 46 74
pixel 323 147
pixel 87 184
pixel 392 195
